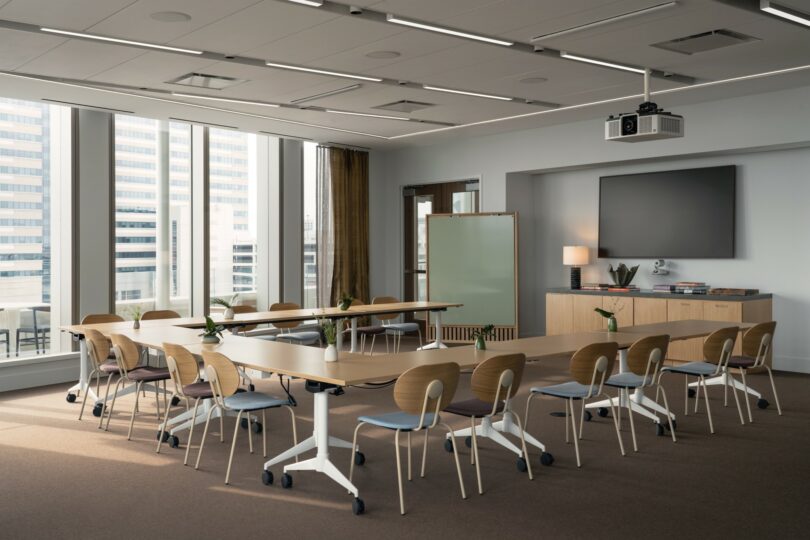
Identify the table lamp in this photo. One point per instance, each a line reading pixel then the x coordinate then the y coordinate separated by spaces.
pixel 575 257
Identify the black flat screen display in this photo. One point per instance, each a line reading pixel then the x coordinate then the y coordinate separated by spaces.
pixel 686 214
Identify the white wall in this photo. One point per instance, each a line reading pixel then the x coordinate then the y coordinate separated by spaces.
pixel 743 125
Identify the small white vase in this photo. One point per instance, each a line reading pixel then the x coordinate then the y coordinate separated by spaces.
pixel 228 315
pixel 136 324
pixel 330 354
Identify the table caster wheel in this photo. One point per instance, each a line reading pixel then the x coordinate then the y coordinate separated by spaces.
pixel 267 478
pixel 659 430
pixel 522 466
pixel 71 398
pixel 358 506
pixel 468 442
pixel 162 436
pixel 252 387
pixel 174 441
pixel 98 408
pixel 546 459
pixel 448 445
pixel 175 401
pixel 244 423
pixel 691 392
pixel 359 458
pixel 602 412
pixel 286 481
pixel 674 425
pixel 257 427
pixel 762 403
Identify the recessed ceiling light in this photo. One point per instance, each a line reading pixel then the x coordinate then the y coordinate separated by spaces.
pixel 117 40
pixel 170 16
pixel 533 80
pixel 458 33
pixel 600 22
pixel 465 93
pixel 227 100
pixel 600 62
pixel 313 3
pixel 785 12
pixel 323 72
pixel 367 114
pixel 383 55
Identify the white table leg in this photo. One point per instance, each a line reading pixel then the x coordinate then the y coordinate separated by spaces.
pixel 354 335
pixel 84 371
pixel 438 344
pixel 320 440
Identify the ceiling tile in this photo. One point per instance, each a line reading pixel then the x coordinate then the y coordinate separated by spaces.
pixel 66 14
pixel 79 59
pixel 17 48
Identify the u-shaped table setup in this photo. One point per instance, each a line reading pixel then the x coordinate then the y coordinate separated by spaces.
pixel 355 369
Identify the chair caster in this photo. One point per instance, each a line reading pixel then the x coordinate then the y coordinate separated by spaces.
pixel 762 403
pixel 244 423
pixel 257 427
pixel 468 442
pixel 251 387
pixel 98 409
pixel 358 506
pixel 359 458
pixel 522 466
pixel 691 392
pixel 602 412
pixel 175 401
pixel 659 430
pixel 267 478
pixel 546 459
pixel 448 445
pixel 174 441
pixel 162 436
pixel 286 481
pixel 71 398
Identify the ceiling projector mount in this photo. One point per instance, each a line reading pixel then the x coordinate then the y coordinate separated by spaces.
pixel 648 123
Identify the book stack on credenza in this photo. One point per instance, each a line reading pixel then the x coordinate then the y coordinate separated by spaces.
pixel 608 287
pixel 683 287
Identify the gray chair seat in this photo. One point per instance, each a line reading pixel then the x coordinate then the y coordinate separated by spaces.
pixel 110 366
pixel 306 337
pixel 253 401
pixel 567 390
pixel 397 420
pixel 693 368
pixel 268 337
pixel 402 328
pixel 628 380
pixel 368 330
pixel 474 407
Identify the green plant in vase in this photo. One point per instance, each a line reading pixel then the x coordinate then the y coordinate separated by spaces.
pixel 480 335
pixel 212 333
pixel 345 301
pixel 136 313
pixel 227 304
pixel 330 329
pixel 613 325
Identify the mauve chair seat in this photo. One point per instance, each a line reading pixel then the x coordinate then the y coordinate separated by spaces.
pixel 200 390
pixel 109 367
pixel 472 408
pixel 741 362
pixel 148 374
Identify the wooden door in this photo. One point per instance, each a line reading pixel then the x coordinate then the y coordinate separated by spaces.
pixel 678 310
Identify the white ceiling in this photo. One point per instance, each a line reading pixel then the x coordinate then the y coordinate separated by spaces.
pixel 285 32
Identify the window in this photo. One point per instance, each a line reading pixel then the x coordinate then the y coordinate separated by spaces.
pixel 310 265
pixel 34 241
pixel 152 215
pixel 233 214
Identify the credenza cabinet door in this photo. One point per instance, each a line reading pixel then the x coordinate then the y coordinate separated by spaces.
pixel 688 349
pixel 730 312
pixel 585 318
pixel 649 310
pixel 559 314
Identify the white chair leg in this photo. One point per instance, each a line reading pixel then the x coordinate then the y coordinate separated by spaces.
pixel 162 427
pixel 773 387
pixel 264 434
pixel 112 405
pixel 581 418
pixel 706 397
pixel 205 434
pixel 410 476
pixel 419 331
pixel 191 430
pixel 104 403
pixel 251 421
pixel 737 400
pixel 399 475
pixel 294 431
pixel 697 395
pixel 424 454
pixel 233 444
pixel 746 396
pixel 669 416
pixel 475 453
pixel 725 393
pixel 615 423
pixel 135 409
pixel 354 450
pixel 84 399
pixel 458 463
pixel 630 414
pixel 685 395
pixel 571 415
pixel 523 445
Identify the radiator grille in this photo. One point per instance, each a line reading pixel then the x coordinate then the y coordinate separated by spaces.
pixel 463 334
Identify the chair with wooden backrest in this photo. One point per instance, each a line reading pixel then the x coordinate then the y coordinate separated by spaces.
pixel 110 367
pixel 717 351
pixel 307 337
pixel 184 371
pixel 756 344
pixel 421 393
pixel 98 351
pixel 494 383
pixel 159 314
pixel 590 367
pixel 396 329
pixel 365 331
pixel 644 360
pixel 224 380
pixel 100 318
pixel 128 357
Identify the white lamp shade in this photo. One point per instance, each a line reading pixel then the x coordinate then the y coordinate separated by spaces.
pixel 575 255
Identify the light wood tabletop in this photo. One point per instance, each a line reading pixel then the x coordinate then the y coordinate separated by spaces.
pixel 547 347
pixel 687 329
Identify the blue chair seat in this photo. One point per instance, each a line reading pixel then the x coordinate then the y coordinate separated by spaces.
pixel 402 328
pixel 628 380
pixel 567 390
pixel 253 401
pixel 693 368
pixel 268 337
pixel 305 337
pixel 397 420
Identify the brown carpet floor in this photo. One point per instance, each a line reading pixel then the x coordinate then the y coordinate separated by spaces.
pixel 61 478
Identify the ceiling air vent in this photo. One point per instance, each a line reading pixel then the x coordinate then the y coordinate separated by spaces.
pixel 706 41
pixel 404 106
pixel 202 80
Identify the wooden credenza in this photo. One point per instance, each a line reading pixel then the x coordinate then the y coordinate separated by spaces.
pixel 570 311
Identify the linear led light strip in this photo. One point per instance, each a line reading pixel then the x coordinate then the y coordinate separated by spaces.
pixel 449 31
pixel 602 102
pixel 587 26
pixel 227 100
pixel 323 72
pixel 784 12
pixel 334 111
pixel 185 103
pixel 118 40
pixel 465 92
pixel 313 3
pixel 600 62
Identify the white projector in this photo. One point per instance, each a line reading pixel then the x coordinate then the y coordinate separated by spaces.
pixel 647 124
